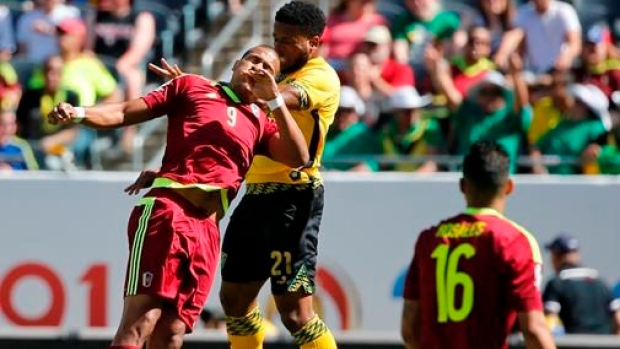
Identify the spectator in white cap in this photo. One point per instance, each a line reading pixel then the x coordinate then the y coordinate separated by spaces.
pixel 585 123
pixel 493 109
pixel 410 134
pixel 349 135
pixel 387 73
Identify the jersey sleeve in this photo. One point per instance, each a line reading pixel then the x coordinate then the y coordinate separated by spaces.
pixel 160 100
pixel 315 87
pixel 523 269
pixel 270 131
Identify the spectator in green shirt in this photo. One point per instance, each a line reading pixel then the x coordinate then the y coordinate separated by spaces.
pixel 349 136
pixel 492 110
pixel 583 125
pixel 409 133
pixel 425 22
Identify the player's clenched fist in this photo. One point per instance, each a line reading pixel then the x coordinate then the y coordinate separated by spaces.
pixel 65 113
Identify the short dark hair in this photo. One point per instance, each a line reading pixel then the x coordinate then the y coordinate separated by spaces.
pixel 304 15
pixel 265 46
pixel 487 167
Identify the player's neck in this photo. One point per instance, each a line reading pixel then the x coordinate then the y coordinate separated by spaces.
pixel 498 204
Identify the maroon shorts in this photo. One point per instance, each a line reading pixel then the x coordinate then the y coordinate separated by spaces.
pixel 173 252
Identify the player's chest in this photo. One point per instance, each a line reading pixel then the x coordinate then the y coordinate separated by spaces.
pixel 217 115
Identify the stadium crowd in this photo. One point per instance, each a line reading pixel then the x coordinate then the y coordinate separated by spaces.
pixel 81 52
pixel 422 81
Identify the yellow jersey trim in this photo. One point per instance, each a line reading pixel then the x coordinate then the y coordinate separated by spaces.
pixel 163 182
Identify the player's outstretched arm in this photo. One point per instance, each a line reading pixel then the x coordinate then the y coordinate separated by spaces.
pixel 289 145
pixel 535 330
pixel 103 116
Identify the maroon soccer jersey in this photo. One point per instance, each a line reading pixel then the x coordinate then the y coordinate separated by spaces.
pixel 212 136
pixel 471 275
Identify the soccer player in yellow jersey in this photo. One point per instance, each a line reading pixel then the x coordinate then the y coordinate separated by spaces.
pixel 273 233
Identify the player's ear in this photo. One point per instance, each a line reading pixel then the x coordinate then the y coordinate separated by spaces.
pixel 315 41
pixel 510 186
pixel 235 65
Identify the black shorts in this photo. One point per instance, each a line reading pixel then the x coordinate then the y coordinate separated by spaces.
pixel 275 236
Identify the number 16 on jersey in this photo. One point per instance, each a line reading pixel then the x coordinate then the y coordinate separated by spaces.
pixel 448 277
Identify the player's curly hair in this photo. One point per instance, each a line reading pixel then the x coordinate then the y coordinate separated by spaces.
pixel 487 167
pixel 302 14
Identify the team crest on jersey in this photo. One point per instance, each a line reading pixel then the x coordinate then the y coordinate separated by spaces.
pixel 211 95
pixel 147 279
pixel 255 110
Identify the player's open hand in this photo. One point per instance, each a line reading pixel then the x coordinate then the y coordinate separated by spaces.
pixel 265 86
pixel 144 180
pixel 63 114
pixel 166 70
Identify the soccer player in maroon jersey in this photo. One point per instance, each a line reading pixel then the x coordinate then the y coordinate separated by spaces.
pixel 474 274
pixel 214 131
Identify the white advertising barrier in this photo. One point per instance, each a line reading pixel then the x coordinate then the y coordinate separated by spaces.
pixel 63 241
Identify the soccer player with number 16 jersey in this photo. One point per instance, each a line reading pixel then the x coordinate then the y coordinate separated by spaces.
pixel 474 274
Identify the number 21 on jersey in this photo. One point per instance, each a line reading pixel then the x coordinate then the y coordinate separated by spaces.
pixel 448 277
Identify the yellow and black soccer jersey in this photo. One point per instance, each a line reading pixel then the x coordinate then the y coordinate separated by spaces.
pixel 319 87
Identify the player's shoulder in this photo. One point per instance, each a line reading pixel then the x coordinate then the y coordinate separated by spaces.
pixel 318 68
pixel 509 234
pixel 194 79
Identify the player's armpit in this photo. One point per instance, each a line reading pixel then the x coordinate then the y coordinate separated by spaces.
pixel 535 330
pixel 410 326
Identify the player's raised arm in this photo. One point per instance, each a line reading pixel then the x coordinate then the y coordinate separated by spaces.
pixel 289 145
pixel 103 116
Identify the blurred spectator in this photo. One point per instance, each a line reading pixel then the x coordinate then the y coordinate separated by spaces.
pixel 422 24
pixel 471 67
pixel 599 68
pixel 387 74
pixel 499 16
pixel 349 135
pixel 83 73
pixel 347 26
pixel 37 103
pixel 10 89
pixel 127 36
pixel 552 35
pixel 550 103
pixel 577 295
pixel 605 159
pixel 359 75
pixel 491 110
pixel 15 153
pixel 7 38
pixel 409 133
pixel 583 125
pixel 36 29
